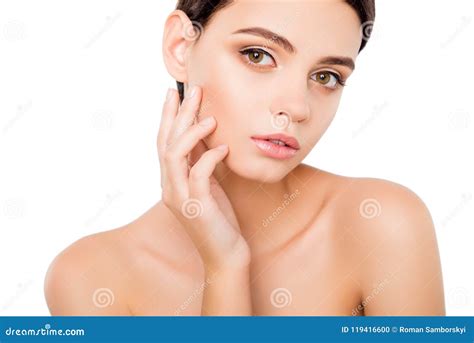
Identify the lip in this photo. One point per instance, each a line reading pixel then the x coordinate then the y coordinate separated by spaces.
pixel 274 150
pixel 289 140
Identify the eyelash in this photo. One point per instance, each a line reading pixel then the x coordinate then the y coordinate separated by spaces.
pixel 244 52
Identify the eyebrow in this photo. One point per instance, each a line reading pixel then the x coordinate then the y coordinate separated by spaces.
pixel 286 45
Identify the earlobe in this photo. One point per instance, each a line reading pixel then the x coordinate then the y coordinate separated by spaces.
pixel 175 45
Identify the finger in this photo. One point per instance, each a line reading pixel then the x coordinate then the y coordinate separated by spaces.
pixel 170 109
pixel 176 155
pixel 197 152
pixel 186 114
pixel 200 173
pixel 191 137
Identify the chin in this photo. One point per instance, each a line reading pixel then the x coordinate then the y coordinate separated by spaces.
pixel 259 168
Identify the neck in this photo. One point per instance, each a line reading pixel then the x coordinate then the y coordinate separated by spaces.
pixel 254 202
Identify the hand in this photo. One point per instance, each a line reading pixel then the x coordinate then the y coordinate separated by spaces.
pixel 189 188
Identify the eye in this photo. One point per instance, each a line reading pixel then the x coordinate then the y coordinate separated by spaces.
pixel 254 56
pixel 329 79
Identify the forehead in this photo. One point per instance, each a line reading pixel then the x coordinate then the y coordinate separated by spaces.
pixel 328 26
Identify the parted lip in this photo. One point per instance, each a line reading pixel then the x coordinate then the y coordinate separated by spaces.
pixel 288 140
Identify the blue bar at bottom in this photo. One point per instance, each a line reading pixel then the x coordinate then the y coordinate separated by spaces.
pixel 236 329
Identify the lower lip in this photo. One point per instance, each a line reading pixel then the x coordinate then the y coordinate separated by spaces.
pixel 274 150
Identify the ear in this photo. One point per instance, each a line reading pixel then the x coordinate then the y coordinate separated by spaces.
pixel 175 45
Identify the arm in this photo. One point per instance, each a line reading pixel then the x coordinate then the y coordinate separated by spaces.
pixel 77 283
pixel 197 200
pixel 227 292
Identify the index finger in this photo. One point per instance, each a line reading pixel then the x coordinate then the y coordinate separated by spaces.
pixel 170 109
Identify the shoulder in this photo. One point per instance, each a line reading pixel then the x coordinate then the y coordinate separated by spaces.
pixel 372 203
pixel 393 240
pixel 86 277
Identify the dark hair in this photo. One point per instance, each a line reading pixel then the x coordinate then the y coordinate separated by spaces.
pixel 200 13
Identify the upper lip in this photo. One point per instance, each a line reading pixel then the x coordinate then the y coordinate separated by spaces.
pixel 288 140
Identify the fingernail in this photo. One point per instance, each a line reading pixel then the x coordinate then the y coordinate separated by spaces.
pixel 168 94
pixel 192 91
pixel 206 121
pixel 222 147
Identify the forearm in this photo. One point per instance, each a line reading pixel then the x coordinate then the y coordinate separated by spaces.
pixel 227 292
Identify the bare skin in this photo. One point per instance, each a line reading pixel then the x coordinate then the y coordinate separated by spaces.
pixel 296 240
pixel 329 264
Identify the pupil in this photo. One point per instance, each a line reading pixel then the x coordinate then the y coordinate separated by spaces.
pixel 255 56
pixel 323 77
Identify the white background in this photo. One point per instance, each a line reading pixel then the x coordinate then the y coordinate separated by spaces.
pixel 81 90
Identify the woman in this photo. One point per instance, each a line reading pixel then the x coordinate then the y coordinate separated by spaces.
pixel 243 226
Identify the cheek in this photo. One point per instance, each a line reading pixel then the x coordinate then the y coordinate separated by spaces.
pixel 323 111
pixel 226 97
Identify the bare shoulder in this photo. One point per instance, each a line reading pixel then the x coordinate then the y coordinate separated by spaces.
pixel 393 239
pixel 86 277
pixel 131 270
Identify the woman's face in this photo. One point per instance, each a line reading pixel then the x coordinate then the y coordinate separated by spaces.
pixel 272 90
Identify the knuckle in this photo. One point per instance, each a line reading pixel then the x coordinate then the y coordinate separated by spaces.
pixel 169 156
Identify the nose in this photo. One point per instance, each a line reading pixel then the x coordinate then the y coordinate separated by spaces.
pixel 291 106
